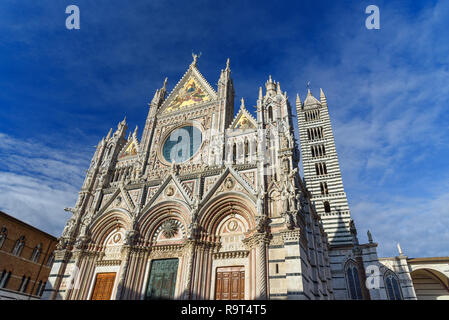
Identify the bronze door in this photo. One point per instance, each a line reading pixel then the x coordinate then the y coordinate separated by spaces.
pixel 162 279
pixel 104 283
pixel 230 283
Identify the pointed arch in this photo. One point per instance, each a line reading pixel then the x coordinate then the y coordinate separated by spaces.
pixel 353 280
pixel 225 204
pixel 108 222
pixel 155 216
pixel 392 286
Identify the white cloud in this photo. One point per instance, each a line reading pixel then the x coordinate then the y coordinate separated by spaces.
pixel 37 182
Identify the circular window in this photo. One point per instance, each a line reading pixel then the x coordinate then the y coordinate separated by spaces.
pixel 181 144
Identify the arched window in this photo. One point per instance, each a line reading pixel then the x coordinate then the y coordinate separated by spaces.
pixel 392 286
pixel 42 289
pixel 270 113
pixel 50 260
pixel 4 278
pixel 3 235
pixel 39 288
pixel 18 246
pixel 35 255
pixel 353 281
pixel 327 207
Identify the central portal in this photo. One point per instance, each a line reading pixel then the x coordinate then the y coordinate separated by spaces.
pixel 230 283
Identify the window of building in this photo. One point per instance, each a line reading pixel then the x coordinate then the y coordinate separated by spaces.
pixel 315 133
pixel 312 115
pixel 323 188
pixel 35 255
pixel 4 278
pixel 317 150
pixel 3 235
pixel 320 168
pixel 327 207
pixel 392 286
pixel 42 289
pixel 270 113
pixel 38 289
pixel 234 153
pixel 18 246
pixel 50 260
pixel 246 147
pixel 353 281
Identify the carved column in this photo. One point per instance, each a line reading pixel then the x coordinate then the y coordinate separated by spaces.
pixel 258 242
pixel 261 272
pixel 190 251
pixel 123 272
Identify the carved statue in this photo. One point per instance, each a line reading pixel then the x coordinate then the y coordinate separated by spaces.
pixel 293 203
pixel 285 200
pixel 260 201
pixel 131 237
pixel 261 224
pixel 66 233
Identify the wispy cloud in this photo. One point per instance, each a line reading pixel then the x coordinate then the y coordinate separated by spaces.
pixel 38 181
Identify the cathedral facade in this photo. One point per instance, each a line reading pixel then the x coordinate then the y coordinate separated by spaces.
pixel 210 205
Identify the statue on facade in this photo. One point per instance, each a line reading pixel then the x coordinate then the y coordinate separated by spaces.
pixel 260 201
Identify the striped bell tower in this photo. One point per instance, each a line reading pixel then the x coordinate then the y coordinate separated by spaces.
pixel 321 168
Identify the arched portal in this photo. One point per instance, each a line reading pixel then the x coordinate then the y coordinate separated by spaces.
pixel 430 284
pixel 228 221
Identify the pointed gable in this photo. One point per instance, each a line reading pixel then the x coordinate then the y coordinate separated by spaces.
pixel 190 90
pixel 129 150
pixel 243 120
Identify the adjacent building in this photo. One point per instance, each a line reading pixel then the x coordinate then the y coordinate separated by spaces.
pixel 26 257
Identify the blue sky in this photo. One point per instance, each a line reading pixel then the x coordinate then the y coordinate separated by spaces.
pixel 61 90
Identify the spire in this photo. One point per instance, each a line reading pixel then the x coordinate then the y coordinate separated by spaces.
pixel 135 132
pixel 323 99
pixel 227 64
pixel 270 86
pixel 124 121
pixel 278 88
pixel 165 84
pixel 109 134
pixel 310 99
pixel 260 93
pixel 298 101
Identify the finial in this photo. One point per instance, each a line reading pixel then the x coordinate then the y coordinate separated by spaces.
pixel 124 120
pixel 165 83
pixel 135 131
pixel 298 100
pixel 260 93
pixel 400 250
pixel 227 64
pixel 370 236
pixel 242 102
pixel 195 58
pixel 269 79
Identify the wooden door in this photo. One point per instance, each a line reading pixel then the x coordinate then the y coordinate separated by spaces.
pixel 162 279
pixel 104 283
pixel 230 283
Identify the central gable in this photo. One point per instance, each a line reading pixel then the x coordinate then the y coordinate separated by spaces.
pixel 190 90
